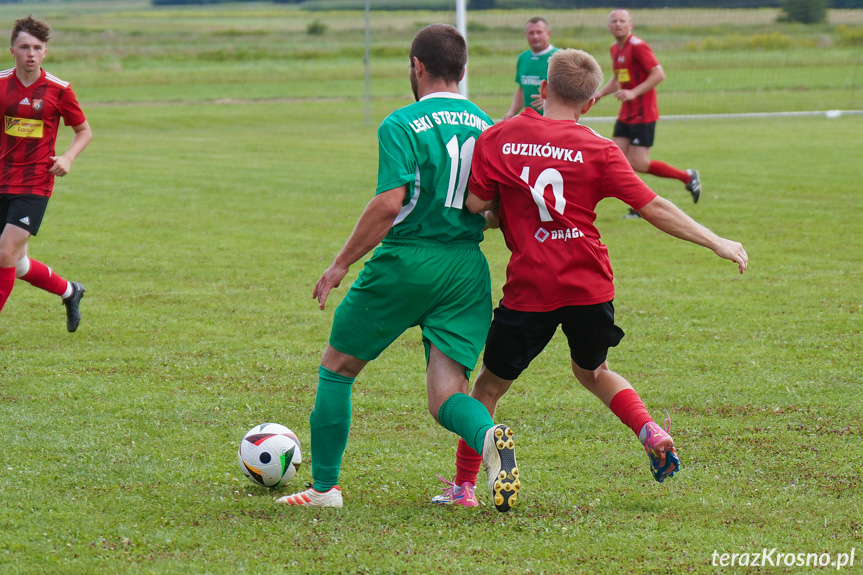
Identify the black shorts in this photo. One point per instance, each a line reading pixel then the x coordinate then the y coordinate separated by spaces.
pixel 637 134
pixel 23 210
pixel 516 337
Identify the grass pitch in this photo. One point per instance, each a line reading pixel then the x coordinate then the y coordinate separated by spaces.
pixel 199 228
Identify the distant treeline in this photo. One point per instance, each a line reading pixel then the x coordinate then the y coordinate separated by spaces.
pixel 480 4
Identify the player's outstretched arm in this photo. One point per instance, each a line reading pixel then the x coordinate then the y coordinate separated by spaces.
pixel 670 219
pixel 373 225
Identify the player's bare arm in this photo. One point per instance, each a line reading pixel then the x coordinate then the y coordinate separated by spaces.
pixel 492 219
pixel 489 210
pixel 475 205
pixel 373 225
pixel 611 87
pixel 667 217
pixel 62 164
pixel 516 106
pixel 656 75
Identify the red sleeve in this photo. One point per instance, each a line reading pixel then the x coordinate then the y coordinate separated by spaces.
pixel 644 56
pixel 71 111
pixel 620 181
pixel 481 183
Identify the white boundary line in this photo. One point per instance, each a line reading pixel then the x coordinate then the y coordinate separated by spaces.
pixel 827 113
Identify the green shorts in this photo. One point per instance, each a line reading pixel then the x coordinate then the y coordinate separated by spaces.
pixel 443 288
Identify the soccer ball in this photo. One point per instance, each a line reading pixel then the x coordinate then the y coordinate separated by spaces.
pixel 269 455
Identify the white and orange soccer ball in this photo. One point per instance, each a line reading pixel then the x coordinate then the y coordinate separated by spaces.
pixel 269 455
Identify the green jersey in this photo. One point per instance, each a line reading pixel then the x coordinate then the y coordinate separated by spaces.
pixel 428 145
pixel 530 70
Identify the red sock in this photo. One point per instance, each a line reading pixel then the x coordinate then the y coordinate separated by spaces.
pixel 43 277
pixel 630 409
pixel 7 282
pixel 467 463
pixel 663 170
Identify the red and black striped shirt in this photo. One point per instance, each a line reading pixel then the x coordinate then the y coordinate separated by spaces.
pixel 31 119
pixel 632 65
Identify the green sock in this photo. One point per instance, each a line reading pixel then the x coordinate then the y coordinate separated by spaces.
pixel 466 417
pixel 330 423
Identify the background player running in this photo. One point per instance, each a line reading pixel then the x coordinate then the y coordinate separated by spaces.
pixel 637 72
pixel 33 102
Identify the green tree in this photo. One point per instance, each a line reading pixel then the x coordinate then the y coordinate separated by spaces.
pixel 804 11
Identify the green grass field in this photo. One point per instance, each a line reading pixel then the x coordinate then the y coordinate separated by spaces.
pixel 220 183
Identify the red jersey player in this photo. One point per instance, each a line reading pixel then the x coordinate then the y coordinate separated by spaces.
pixel 636 74
pixel 33 102
pixel 545 176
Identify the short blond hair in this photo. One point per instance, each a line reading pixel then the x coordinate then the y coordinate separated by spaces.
pixel 574 75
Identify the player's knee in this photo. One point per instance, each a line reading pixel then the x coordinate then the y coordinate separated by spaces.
pixel 488 388
pixel 341 363
pixel 639 165
pixel 589 377
pixel 490 391
pixel 8 256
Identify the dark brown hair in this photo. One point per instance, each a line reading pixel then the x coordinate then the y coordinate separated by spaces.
pixel 442 50
pixel 537 20
pixel 32 26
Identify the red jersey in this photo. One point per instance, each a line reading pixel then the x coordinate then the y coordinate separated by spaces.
pixel 632 65
pixel 549 175
pixel 31 119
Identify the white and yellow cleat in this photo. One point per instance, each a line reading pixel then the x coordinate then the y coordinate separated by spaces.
pixel 498 458
pixel 313 498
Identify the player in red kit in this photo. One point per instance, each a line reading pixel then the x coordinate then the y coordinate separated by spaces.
pixel 636 75
pixel 545 175
pixel 33 102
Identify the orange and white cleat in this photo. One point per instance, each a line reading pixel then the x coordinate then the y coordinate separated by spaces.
pixel 313 498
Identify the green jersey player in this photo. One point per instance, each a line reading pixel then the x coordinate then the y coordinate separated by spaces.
pixel 428 272
pixel 531 68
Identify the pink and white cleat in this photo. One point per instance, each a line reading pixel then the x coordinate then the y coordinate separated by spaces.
pixel 456 494
pixel 660 449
